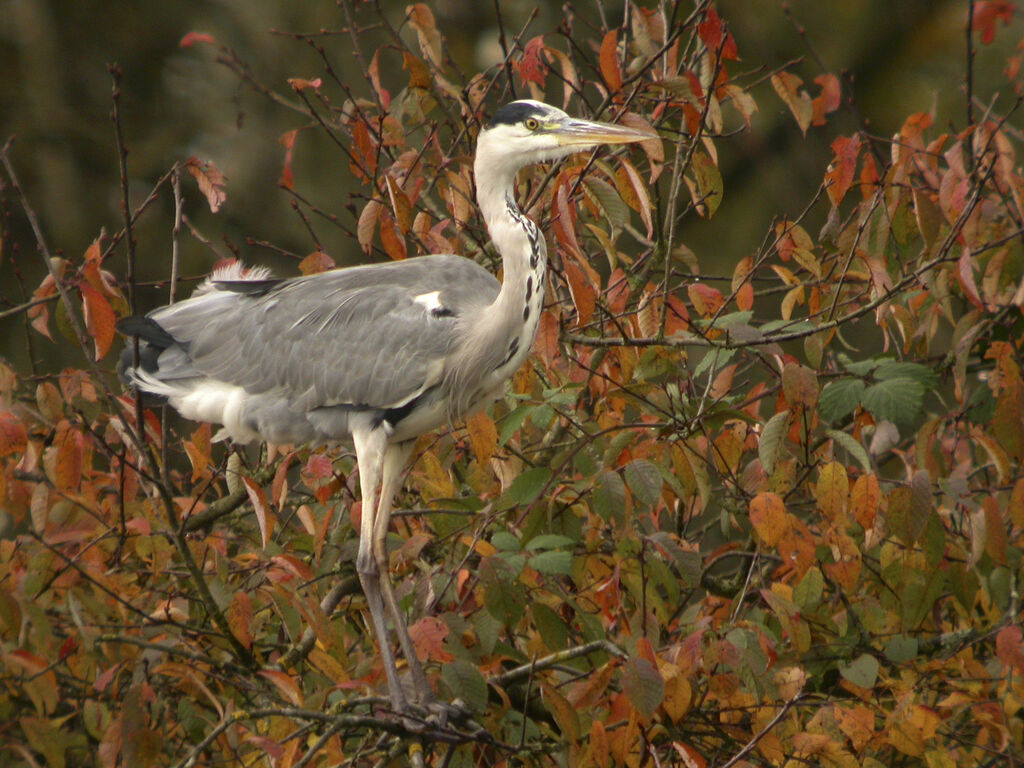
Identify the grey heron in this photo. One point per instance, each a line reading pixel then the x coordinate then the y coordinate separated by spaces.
pixel 380 353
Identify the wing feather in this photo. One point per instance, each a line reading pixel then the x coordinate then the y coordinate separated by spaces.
pixel 353 336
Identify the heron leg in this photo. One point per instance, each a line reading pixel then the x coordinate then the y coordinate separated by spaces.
pixel 395 458
pixel 371 446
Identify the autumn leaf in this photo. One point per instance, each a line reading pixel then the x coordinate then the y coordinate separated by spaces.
pixel 299 84
pixel 13 437
pixel 210 181
pixel 530 67
pixel 287 140
pixel 99 319
pixel 608 60
pixel 195 38
pixel 799 103
pixel 259 505
pixel 768 516
pixel 841 170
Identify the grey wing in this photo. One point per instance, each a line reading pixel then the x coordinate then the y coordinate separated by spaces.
pixel 370 337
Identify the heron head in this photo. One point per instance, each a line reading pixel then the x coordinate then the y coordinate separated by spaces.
pixel 528 131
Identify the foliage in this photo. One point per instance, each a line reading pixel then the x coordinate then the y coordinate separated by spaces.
pixel 772 517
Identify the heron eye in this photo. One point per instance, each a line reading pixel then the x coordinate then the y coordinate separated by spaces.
pixel 531 124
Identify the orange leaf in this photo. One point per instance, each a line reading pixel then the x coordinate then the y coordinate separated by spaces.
pixel 210 181
pixel 546 342
pixel 483 436
pixel 239 617
pixel 192 38
pixel 609 61
pixel 68 446
pixel 841 169
pixel 584 297
pixel 828 100
pixel 1010 647
pixel 864 500
pixel 287 140
pixel 99 318
pixel 705 299
pixel 428 635
pixel 316 262
pixel 390 238
pixel 768 516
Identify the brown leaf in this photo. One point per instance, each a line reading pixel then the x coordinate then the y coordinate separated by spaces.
pixel 367 224
pixel 285 684
pixel 299 84
pixel 391 239
pixel 210 181
pixel 316 262
pixel 421 18
pixel 546 342
pixel 287 140
pixel 259 505
pixel 608 58
pixel 799 103
pixel 799 386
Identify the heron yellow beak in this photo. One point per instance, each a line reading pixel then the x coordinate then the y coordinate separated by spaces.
pixel 584 133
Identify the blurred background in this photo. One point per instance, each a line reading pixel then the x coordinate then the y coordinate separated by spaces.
pixel 55 100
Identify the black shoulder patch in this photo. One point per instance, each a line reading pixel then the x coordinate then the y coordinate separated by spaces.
pixel 249 287
pixel 514 113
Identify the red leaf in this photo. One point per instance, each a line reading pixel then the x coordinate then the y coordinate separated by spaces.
pixel 609 61
pixel 99 318
pixel 713 35
pixel 210 181
pixel 1010 647
pixel 841 170
pixel 530 67
pixel 193 38
pixel 987 13
pixel 285 684
pixel 13 437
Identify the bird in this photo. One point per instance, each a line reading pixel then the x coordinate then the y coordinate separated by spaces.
pixel 378 353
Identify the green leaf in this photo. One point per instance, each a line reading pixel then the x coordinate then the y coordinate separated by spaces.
pixel 548 541
pixel 609 497
pixel 808 592
pixel 465 682
pixel 504 596
pixel 512 422
pixel 892 369
pixel 608 199
pixel 642 685
pixel 838 399
pixel 862 671
pixel 770 445
pixel 644 480
pixel 901 648
pixel 525 488
pixel 896 400
pixel 553 631
pixel 852 446
pixel 505 541
pixel 552 563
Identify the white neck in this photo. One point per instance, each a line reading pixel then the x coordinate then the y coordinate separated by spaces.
pixel 521 245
